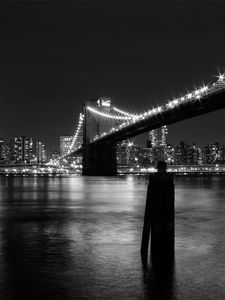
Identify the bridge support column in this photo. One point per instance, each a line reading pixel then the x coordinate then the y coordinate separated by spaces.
pixel 159 218
pixel 99 160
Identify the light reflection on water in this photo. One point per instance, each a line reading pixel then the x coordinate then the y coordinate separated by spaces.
pixel 79 238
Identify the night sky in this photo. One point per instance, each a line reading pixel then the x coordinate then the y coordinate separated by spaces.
pixel 56 55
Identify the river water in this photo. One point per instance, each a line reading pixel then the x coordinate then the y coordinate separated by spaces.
pixel 79 238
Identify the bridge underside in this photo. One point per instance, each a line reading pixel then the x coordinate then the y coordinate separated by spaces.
pixel 99 160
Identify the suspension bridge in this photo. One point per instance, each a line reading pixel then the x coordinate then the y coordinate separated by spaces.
pixel 102 125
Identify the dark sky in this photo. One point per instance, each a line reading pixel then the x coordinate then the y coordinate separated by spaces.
pixel 56 55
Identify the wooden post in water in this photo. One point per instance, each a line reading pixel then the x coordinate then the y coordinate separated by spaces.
pixel 159 217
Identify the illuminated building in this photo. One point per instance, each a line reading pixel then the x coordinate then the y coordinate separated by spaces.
pixel 157 137
pixel 30 150
pixel 222 157
pixel 55 155
pixel 213 153
pixel 17 149
pixel 131 155
pixel 170 154
pixel 208 156
pixel 41 152
pixel 185 154
pixel 182 154
pixel 164 133
pixel 134 156
pixel 1 149
pixel 6 152
pixel 65 144
pixel 157 141
pixel 27 150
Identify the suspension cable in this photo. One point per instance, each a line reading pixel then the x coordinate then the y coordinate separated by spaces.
pixel 122 112
pixel 77 131
pixel 108 115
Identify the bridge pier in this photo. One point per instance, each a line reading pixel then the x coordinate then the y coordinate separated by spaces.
pixel 99 160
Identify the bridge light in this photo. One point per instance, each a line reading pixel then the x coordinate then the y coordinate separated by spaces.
pixel 197 92
pixel 159 108
pixel 170 104
pixel 189 95
pixel 221 77
pixel 204 88
pixel 182 98
pixel 175 102
pixel 122 112
pixel 107 115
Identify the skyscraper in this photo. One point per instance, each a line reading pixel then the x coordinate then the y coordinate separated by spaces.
pixel 65 144
pixel 27 150
pixel 157 137
pixel 158 142
pixel 164 132
pixel 17 149
pixel 1 148
pixel 41 152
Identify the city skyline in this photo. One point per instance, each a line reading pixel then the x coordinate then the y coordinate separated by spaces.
pixel 55 56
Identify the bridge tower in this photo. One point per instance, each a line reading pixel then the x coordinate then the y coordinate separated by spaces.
pixel 98 159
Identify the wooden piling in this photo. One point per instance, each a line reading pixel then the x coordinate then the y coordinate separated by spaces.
pixel 159 217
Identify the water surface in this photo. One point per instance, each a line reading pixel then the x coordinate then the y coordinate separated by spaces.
pixel 79 238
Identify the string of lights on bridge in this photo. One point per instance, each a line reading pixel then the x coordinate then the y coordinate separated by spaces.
pixel 129 118
pixel 109 115
pixel 77 132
